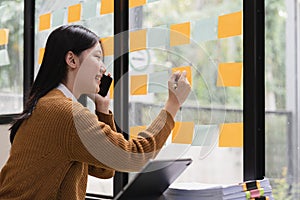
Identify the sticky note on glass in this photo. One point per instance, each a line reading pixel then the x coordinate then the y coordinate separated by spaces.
pixel 106 7
pixel 158 82
pixel 205 135
pixel 135 130
pixel 183 132
pixel 89 9
pixel 74 13
pixel 108 45
pixel 4 36
pixel 150 1
pixel 158 36
pixel 138 84
pixel 231 135
pixel 111 90
pixel 135 3
pixel 58 17
pixel 137 40
pixel 188 70
pixel 180 34
pixel 41 55
pixel 230 25
pixel 206 29
pixel 44 22
pixel 229 74
pixel 4 58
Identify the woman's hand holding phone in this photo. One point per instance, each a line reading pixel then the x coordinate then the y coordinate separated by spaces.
pixel 101 100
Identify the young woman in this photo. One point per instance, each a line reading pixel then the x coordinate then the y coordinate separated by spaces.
pixel 57 143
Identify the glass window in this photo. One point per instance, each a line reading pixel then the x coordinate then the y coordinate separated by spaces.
pixel 192 35
pixel 282 97
pixel 11 56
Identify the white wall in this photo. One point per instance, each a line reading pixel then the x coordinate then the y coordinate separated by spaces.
pixel 4 144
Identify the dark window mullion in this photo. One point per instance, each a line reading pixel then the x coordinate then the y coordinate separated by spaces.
pixel 121 98
pixel 254 89
pixel 29 10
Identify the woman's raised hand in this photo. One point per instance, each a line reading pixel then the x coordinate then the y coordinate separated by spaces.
pixel 179 89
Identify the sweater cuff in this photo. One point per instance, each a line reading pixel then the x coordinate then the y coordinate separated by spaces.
pixel 164 120
pixel 106 118
pixel 170 120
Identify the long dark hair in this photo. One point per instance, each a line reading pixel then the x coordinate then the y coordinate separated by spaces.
pixel 53 69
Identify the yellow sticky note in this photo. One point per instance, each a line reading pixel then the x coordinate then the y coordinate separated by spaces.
pixel 180 34
pixel 135 130
pixel 74 13
pixel 183 132
pixel 188 70
pixel 4 36
pixel 229 74
pixel 231 135
pixel 108 45
pixel 230 25
pixel 107 6
pixel 111 90
pixel 138 40
pixel 44 21
pixel 41 55
pixel 138 84
pixel 135 3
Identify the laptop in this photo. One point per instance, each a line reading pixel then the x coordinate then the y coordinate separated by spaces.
pixel 155 177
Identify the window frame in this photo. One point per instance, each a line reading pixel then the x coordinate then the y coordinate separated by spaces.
pixel 254 89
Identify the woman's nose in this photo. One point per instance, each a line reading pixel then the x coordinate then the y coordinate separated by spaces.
pixel 102 69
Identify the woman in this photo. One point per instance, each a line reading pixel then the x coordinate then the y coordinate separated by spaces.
pixel 57 142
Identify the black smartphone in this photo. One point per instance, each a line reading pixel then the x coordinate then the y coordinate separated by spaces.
pixel 105 85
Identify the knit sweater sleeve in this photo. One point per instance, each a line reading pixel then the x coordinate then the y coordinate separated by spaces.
pixel 98 144
pixel 101 172
pixel 107 119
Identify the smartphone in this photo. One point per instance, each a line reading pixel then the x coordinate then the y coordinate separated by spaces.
pixel 105 85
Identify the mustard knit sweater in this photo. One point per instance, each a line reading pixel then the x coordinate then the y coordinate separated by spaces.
pixel 62 142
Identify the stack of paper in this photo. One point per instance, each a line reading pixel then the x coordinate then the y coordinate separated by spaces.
pixel 249 190
pixel 257 189
pixel 192 191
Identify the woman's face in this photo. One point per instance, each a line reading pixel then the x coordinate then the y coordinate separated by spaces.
pixel 90 71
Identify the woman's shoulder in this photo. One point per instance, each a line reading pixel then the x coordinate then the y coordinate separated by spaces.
pixel 58 106
pixel 55 96
pixel 55 99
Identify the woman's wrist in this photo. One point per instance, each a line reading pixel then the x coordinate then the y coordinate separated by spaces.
pixel 172 107
pixel 101 107
pixel 102 104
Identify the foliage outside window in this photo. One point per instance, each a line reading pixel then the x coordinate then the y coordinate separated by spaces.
pixel 11 56
pixel 280 116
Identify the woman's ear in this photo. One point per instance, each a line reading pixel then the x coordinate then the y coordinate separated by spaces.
pixel 72 60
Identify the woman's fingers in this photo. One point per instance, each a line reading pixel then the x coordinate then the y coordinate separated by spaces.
pixel 179 87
